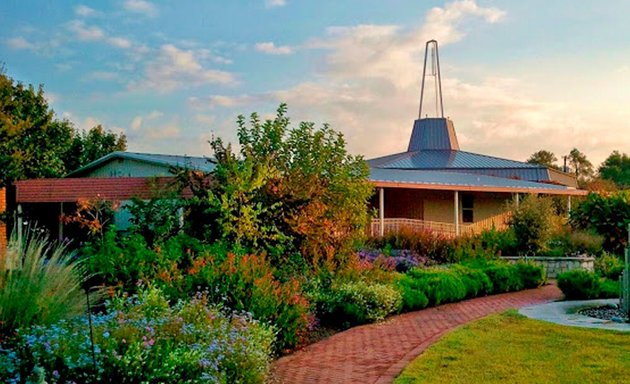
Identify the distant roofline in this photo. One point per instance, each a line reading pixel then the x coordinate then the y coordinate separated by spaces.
pixel 131 156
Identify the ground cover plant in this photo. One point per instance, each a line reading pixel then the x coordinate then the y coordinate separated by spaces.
pixel 581 284
pixel 511 348
pixel 140 339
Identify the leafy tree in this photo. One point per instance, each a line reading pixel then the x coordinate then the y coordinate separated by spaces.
pixel 31 141
pixel 617 169
pixel 580 165
pixel 544 157
pixel 531 223
pixel 92 145
pixel 608 215
pixel 33 144
pixel 289 188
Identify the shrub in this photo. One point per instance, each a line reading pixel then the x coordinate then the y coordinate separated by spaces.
pixel 247 283
pixel 504 276
pixel 358 302
pixel 412 292
pixel 606 214
pixel 532 275
pixel 531 223
pixel 39 284
pixel 443 285
pixel 609 266
pixel 609 289
pixel 434 246
pixel 497 242
pixel 476 282
pixel 579 284
pixel 143 340
pixel 584 242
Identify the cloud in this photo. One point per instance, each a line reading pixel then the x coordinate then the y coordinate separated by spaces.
pixel 141 6
pixel 85 33
pixel 271 49
pixel 119 42
pixel 20 42
pixel 139 120
pixel 275 3
pixel 175 68
pixel 102 75
pixel 85 11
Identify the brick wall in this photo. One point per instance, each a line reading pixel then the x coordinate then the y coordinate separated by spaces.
pixel 3 225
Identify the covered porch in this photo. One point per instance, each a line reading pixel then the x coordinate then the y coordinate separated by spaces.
pixel 451 204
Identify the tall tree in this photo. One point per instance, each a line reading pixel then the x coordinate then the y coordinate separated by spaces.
pixel 33 144
pixel 544 157
pixel 30 139
pixel 617 169
pixel 580 165
pixel 91 145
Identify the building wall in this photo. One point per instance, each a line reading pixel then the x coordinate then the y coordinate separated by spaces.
pixel 3 225
pixel 438 205
pixel 128 168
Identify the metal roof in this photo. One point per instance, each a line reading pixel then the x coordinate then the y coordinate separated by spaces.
pixel 433 133
pixel 443 159
pixel 431 179
pixel 176 161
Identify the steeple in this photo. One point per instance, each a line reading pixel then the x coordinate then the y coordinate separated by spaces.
pixel 433 133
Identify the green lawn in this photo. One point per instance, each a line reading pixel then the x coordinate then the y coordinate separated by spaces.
pixel 509 348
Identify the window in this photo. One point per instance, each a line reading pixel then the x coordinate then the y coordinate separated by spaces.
pixel 467 209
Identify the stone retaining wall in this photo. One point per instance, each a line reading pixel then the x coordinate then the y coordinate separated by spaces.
pixel 555 265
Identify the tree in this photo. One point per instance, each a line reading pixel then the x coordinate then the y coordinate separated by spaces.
pixel 617 169
pixel 544 157
pixel 92 145
pixel 33 144
pixel 289 188
pixel 30 139
pixel 581 166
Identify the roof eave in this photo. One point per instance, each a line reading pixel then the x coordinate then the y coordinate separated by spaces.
pixel 478 188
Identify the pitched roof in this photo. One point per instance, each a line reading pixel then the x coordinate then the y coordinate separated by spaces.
pixel 177 161
pixel 443 180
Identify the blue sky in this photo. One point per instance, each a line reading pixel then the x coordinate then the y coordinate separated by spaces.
pixel 518 76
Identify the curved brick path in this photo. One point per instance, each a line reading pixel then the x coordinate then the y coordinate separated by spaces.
pixel 377 353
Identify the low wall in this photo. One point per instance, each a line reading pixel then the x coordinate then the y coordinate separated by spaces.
pixel 555 265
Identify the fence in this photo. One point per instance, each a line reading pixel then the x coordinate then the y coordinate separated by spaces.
pixel 394 225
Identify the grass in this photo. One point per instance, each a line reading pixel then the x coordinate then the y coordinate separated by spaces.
pixel 510 348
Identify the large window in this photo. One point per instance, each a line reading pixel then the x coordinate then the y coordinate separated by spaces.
pixel 467 209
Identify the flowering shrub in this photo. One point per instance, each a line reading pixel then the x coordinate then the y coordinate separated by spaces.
pixel 247 283
pixel 143 340
pixel 433 246
pixel 400 260
pixel 358 302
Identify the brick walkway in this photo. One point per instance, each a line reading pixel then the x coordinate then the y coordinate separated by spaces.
pixel 377 353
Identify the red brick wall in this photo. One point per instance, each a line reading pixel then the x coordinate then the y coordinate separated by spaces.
pixel 3 225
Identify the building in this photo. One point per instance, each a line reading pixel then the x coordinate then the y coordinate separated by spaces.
pixel 434 185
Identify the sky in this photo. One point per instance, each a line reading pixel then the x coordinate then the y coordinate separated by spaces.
pixel 517 76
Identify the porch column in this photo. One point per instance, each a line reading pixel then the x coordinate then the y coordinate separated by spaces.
pixel 19 224
pixel 60 228
pixel 381 212
pixel 456 212
pixel 517 199
pixel 569 206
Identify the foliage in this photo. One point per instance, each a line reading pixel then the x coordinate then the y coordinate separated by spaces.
pixel 142 340
pixel 358 302
pixel 89 146
pixel 92 215
pixel 544 157
pixel 247 283
pixel 533 276
pixel 579 284
pixel 477 283
pixel 433 246
pixel 181 266
pixel 156 219
pixel 33 144
pixel 413 293
pixel 616 167
pixel 609 266
pixel 531 223
pixel 401 260
pixel 580 165
pixel 609 289
pixel 39 284
pixel 569 242
pixel 504 277
pixel 442 285
pixel 511 348
pixel 608 215
pixel 291 188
